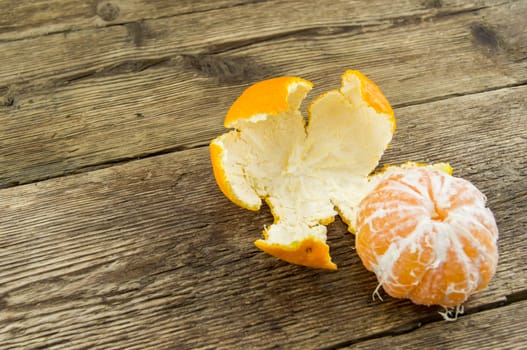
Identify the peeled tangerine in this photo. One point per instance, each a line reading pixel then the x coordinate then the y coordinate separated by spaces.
pixel 427 235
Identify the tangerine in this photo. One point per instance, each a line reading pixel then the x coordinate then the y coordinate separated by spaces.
pixel 428 236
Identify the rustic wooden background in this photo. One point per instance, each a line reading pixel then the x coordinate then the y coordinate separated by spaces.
pixel 113 234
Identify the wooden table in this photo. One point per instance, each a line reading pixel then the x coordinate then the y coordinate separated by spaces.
pixel 113 233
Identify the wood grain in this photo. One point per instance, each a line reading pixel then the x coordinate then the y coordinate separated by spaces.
pixel 132 253
pixel 22 19
pixel 165 96
pixel 30 19
pixel 67 57
pixel 150 254
pixel 502 328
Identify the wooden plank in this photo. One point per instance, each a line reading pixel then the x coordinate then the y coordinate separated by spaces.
pixel 501 328
pixel 67 56
pixel 30 19
pixel 127 112
pixel 150 253
pixel 22 19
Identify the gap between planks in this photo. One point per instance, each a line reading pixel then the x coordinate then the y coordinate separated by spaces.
pixel 502 328
pixel 415 325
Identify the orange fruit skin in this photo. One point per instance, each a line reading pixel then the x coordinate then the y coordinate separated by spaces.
pixel 428 237
pixel 216 154
pixel 372 94
pixel 310 252
pixel 265 97
pixel 274 97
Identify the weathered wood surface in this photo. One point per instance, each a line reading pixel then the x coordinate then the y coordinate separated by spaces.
pixel 171 91
pixel 150 253
pixel 29 19
pixel 502 328
pixel 147 253
pixel 22 19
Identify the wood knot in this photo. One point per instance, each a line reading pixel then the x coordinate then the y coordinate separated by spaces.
pixel 230 70
pixel 6 97
pixel 7 101
pixel 433 4
pixel 137 32
pixel 108 11
pixel 485 36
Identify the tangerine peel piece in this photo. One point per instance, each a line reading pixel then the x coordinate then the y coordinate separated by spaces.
pixel 307 174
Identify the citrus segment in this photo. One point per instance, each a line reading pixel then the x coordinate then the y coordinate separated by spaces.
pixel 428 236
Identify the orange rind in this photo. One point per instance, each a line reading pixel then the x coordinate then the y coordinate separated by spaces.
pixel 267 98
pixel 310 252
pixel 307 174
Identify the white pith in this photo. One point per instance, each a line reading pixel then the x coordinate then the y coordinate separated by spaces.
pixel 307 175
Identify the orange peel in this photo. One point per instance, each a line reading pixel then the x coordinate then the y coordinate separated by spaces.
pixel 307 174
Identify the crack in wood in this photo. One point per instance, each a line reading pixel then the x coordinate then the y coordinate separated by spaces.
pixel 312 31
pixel 418 323
pixel 127 66
pixel 107 164
pixel 448 96
pixel 51 344
pixel 393 22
